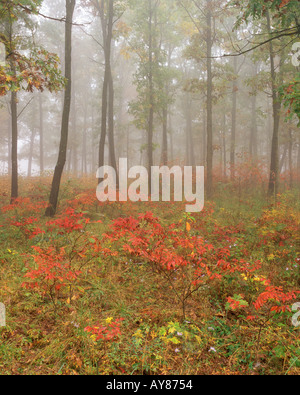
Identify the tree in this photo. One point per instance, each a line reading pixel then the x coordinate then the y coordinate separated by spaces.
pixel 282 18
pixel 37 70
pixel 203 15
pixel 108 13
pixel 53 199
pixel 145 45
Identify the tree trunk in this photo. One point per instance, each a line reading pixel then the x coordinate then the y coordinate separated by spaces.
pixel 151 97
pixel 14 146
pixel 253 136
pixel 14 118
pixel 101 152
pixel 164 152
pixel 298 160
pixel 190 156
pixel 41 134
pixel 209 125
pixel 274 167
pixel 111 139
pixel 282 160
pixel 224 147
pixel 233 121
pixel 53 200
pixel 30 157
pixel 74 137
pixel 84 147
pixel 290 136
pixel 107 111
pixel 9 145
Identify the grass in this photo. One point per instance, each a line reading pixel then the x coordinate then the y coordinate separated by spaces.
pixel 46 337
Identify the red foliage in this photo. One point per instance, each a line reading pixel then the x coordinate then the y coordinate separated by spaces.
pixel 68 222
pixel 53 270
pixel 25 225
pixel 168 248
pixel 275 294
pixel 109 332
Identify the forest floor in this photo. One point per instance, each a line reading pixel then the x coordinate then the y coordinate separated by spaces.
pixel 145 288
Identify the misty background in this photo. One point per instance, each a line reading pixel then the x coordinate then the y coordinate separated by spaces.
pixel 242 120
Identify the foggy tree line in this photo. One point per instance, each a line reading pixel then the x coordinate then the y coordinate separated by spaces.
pixel 193 82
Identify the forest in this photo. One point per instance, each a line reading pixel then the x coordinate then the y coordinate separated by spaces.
pixel 150 180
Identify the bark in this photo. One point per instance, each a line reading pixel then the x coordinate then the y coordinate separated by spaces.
pixel 151 97
pixel 14 118
pixel 41 130
pixel 190 156
pixel 111 139
pixel 9 145
pixel 84 142
pixel 14 147
pixel 290 136
pixel 209 125
pixel 253 136
pixel 164 154
pixel 298 159
pixel 233 121
pixel 74 142
pixel 165 148
pixel 107 110
pixel 53 199
pixel 274 167
pixel 224 146
pixel 283 158
pixel 30 157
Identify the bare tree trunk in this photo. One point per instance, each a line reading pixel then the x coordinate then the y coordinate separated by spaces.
pixel 93 160
pixel 274 167
pixel 107 89
pixel 53 200
pixel 165 148
pixel 290 135
pixel 30 156
pixel 204 138
pixel 209 122
pixel 298 160
pixel 103 122
pixel 74 137
pixel 253 135
pixel 14 118
pixel 41 134
pixel 233 121
pixel 14 146
pixel 164 153
pixel 84 147
pixel 111 139
pixel 171 140
pixel 151 97
pixel 282 160
pixel 223 146
pixel 9 145
pixel 190 156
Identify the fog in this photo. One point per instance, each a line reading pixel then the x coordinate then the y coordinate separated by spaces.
pixel 163 84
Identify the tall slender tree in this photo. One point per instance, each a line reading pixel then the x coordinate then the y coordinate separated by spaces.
pixel 37 69
pixel 53 199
